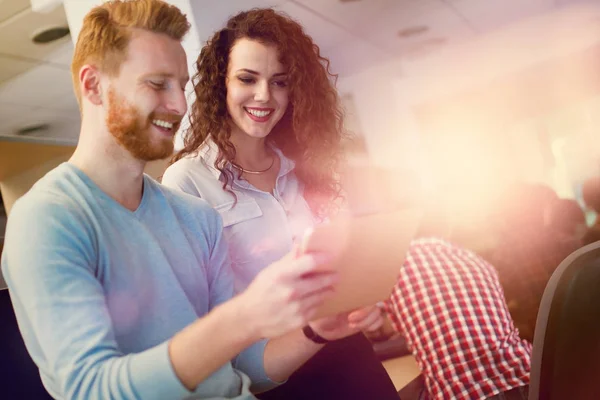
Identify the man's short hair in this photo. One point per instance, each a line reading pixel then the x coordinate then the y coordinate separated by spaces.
pixel 107 31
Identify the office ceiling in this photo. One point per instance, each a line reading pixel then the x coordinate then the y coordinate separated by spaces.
pixel 36 96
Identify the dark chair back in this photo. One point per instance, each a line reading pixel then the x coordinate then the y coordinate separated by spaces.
pixel 19 376
pixel 566 345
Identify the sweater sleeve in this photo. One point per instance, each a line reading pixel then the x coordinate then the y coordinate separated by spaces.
pixel 251 360
pixel 50 266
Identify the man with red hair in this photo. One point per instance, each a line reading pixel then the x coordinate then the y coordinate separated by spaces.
pixel 122 287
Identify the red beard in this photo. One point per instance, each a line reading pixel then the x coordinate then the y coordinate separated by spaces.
pixel 126 124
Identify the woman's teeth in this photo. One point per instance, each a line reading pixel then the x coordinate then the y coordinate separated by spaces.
pixel 259 113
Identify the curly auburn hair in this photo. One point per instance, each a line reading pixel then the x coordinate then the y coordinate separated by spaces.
pixel 311 130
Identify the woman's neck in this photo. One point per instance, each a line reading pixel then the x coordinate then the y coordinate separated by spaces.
pixel 251 153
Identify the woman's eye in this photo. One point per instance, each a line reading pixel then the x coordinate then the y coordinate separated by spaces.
pixel 246 80
pixel 280 83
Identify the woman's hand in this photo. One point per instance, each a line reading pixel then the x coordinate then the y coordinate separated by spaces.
pixel 345 324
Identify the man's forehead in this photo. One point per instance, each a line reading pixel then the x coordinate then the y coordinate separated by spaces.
pixel 151 51
pixel 158 73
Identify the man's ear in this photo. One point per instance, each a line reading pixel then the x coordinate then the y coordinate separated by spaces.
pixel 89 83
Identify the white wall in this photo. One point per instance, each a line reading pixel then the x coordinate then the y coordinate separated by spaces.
pixel 385 120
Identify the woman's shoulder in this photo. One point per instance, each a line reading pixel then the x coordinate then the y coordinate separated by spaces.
pixel 193 175
pixel 188 166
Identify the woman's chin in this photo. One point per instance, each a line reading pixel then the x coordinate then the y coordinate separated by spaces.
pixel 257 134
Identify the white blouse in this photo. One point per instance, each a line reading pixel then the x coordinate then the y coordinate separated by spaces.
pixel 262 227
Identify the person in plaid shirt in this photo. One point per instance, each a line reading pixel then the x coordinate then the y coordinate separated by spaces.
pixel 449 305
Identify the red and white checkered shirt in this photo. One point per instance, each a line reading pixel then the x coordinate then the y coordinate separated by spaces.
pixel 449 305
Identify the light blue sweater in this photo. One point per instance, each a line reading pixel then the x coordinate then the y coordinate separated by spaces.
pixel 99 290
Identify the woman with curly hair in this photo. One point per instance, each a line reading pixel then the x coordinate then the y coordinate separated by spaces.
pixel 263 148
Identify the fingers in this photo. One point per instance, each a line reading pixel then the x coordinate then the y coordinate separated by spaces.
pixel 305 240
pixel 372 326
pixel 367 319
pixel 299 265
pixel 308 285
pixel 310 304
pixel 301 311
pixel 362 313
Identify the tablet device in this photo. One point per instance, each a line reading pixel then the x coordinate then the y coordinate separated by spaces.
pixel 368 252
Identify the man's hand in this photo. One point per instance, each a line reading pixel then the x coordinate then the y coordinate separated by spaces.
pixel 286 295
pixel 346 324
